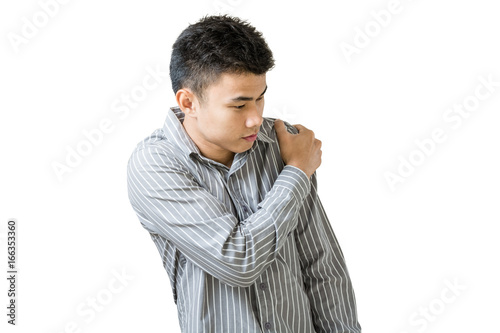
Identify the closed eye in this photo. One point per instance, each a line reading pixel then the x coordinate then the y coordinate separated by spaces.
pixel 242 106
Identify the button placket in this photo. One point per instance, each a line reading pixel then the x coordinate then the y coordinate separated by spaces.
pixel 235 193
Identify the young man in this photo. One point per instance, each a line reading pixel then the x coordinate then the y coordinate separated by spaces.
pixel 230 197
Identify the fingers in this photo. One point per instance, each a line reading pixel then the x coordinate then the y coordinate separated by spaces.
pixel 299 127
pixel 279 125
pixel 318 143
pixel 305 131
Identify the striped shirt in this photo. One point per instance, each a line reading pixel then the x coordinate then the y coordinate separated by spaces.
pixel 247 248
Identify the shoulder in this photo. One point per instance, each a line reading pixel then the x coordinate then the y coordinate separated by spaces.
pixel 268 129
pixel 155 151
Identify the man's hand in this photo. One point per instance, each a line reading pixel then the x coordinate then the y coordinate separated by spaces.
pixel 301 150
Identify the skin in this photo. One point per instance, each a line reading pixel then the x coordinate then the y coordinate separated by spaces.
pixel 231 110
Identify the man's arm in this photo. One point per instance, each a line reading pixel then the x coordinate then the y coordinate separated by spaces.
pixel 169 202
pixel 325 274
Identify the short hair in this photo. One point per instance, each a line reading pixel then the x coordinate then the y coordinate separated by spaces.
pixel 216 45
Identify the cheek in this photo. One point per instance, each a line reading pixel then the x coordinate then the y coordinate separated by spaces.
pixel 228 120
pixel 222 125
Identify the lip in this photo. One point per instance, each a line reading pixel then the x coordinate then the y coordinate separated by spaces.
pixel 250 137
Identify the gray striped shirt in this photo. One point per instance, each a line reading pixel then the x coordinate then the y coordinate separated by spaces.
pixel 247 248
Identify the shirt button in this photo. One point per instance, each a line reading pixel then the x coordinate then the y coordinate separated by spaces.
pixel 268 326
pixel 245 209
pixel 262 286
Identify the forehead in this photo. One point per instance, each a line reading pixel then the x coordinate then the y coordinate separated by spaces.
pixel 232 85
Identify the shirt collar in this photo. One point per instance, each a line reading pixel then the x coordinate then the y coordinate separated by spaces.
pixel 176 133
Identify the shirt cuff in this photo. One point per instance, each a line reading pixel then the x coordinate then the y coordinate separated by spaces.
pixel 294 180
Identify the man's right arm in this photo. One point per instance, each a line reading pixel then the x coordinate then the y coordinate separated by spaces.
pixel 169 202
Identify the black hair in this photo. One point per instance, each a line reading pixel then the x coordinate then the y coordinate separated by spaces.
pixel 216 45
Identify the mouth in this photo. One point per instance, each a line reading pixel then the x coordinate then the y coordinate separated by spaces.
pixel 251 137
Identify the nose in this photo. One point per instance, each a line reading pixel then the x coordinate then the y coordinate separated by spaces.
pixel 254 118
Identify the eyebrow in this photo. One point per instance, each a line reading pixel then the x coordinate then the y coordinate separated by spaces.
pixel 244 98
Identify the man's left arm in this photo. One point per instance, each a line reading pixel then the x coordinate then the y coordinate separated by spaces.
pixel 324 271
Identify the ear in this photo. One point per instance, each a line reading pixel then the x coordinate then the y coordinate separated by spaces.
pixel 187 102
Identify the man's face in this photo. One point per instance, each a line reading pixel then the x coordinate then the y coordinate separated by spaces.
pixel 231 112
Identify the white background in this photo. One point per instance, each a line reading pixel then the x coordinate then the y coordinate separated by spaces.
pixel 401 246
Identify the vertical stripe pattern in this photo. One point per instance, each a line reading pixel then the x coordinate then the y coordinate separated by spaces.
pixel 247 248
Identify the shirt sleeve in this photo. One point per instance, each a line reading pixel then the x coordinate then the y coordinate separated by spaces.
pixel 169 202
pixel 324 271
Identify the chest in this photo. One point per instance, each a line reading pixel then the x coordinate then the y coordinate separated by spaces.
pixel 246 184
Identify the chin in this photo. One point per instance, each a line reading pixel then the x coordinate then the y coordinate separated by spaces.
pixel 241 149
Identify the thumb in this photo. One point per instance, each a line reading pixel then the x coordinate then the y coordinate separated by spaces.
pixel 279 125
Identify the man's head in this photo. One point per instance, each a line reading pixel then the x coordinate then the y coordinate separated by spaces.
pixel 218 71
pixel 213 46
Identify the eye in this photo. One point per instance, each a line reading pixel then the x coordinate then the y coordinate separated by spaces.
pixel 240 106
